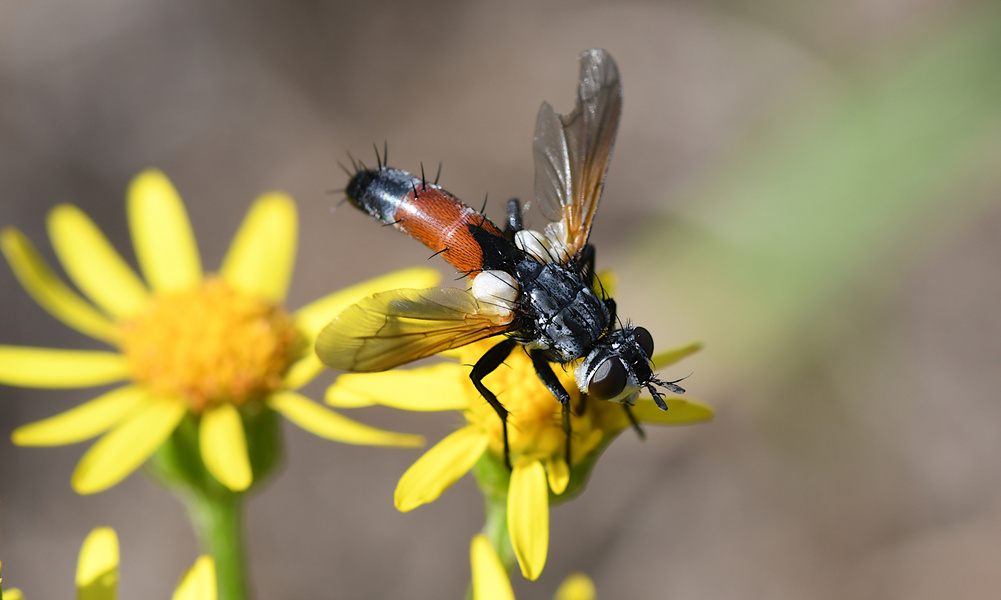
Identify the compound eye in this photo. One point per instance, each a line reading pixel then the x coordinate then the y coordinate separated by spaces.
pixel 609 379
pixel 642 337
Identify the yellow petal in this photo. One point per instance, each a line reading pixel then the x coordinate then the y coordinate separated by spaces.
pixel 161 233
pixel 97 567
pixel 13 594
pixel 344 397
pixel 669 357
pixel 128 445
pixel 490 580
pixel 558 474
pixel 312 317
pixel 325 423
pixel 303 371
pixel 608 281
pixel 46 368
pixel 528 516
pixel 199 582
pixel 93 264
pixel 223 444
pixel 440 467
pixel 83 422
pixel 438 387
pixel 679 412
pixel 49 290
pixel 262 256
pixel 577 586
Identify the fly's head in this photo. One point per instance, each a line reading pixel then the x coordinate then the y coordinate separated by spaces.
pixel 619 367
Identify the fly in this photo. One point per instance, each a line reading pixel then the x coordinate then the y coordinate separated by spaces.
pixel 536 288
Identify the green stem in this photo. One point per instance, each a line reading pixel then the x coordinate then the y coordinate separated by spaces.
pixel 215 512
pixel 218 522
pixel 495 530
pixel 493 478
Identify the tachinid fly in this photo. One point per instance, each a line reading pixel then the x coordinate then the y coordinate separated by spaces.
pixel 535 288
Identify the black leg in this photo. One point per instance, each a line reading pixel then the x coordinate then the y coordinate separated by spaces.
pixel 514 224
pixel 483 367
pixel 587 259
pixel 549 379
pixel 610 304
pixel 634 422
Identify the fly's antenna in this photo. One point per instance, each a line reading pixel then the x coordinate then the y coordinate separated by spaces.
pixel 670 385
pixel 657 397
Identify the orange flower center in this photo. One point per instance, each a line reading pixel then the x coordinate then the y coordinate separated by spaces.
pixel 210 345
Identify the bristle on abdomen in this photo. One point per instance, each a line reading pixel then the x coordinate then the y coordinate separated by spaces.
pixel 439 220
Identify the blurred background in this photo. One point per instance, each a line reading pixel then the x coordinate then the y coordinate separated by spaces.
pixel 811 188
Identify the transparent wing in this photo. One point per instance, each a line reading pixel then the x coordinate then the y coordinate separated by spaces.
pixel 572 151
pixel 391 328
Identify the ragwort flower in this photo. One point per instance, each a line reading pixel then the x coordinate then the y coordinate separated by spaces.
pixel 97 572
pixel 540 472
pixel 214 351
pixel 491 582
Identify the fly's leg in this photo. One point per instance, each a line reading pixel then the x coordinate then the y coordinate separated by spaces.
pixel 634 422
pixel 552 383
pixel 514 223
pixel 610 304
pixel 485 366
pixel 587 258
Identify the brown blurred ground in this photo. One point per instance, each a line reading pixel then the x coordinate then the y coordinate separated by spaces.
pixel 857 463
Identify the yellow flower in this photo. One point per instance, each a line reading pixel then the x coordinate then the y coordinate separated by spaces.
pixel 537 441
pixel 97 567
pixel 97 572
pixel 490 580
pixel 217 350
pixel 199 582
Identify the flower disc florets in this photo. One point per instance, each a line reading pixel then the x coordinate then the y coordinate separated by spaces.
pixel 535 422
pixel 210 345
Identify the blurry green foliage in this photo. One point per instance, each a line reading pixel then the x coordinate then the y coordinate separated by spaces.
pixel 862 172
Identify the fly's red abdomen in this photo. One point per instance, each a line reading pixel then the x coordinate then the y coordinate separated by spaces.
pixel 442 222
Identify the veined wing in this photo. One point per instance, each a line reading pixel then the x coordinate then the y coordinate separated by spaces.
pixel 391 328
pixel 572 151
